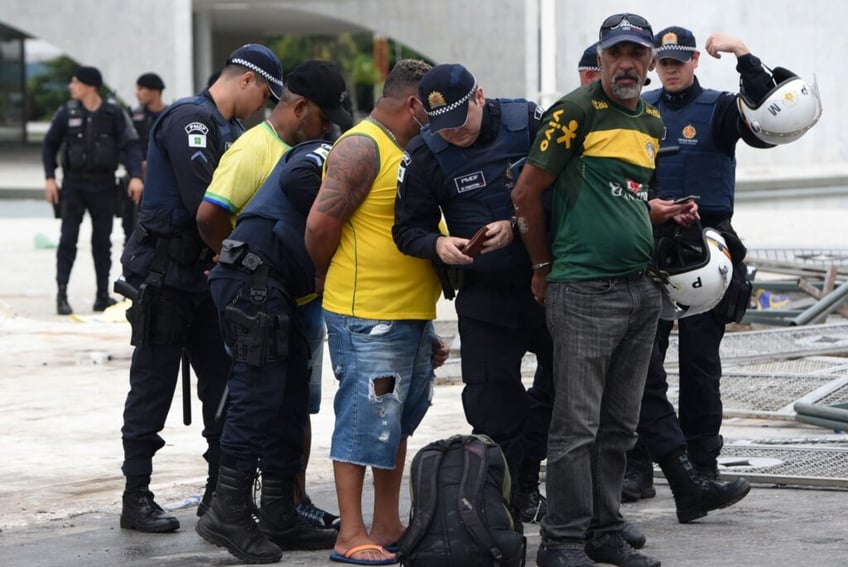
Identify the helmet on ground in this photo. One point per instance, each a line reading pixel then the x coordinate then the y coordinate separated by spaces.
pixel 699 267
pixel 791 108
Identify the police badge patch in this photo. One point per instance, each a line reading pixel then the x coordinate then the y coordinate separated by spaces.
pixel 196 134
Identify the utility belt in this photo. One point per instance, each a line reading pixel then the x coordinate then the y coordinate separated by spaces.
pixel 156 318
pixel 236 255
pixel 260 338
pixel 185 248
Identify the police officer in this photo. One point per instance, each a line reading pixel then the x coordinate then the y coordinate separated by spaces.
pixel 587 66
pixel 706 125
pixel 164 266
pixel 263 267
pixel 464 164
pixel 148 91
pixel 97 135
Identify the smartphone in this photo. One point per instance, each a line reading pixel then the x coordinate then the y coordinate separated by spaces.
pixel 686 199
pixel 475 244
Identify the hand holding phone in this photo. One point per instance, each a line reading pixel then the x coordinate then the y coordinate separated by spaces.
pixel 686 199
pixel 475 244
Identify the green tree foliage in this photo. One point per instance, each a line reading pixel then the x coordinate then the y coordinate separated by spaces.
pixel 47 91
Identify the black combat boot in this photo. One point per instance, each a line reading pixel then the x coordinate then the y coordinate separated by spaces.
pixel 102 301
pixel 140 512
pixel 279 521
pixel 639 475
pixel 694 495
pixel 62 305
pixel 229 522
pixel 208 492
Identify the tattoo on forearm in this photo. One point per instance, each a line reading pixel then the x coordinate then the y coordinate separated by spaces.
pixel 352 168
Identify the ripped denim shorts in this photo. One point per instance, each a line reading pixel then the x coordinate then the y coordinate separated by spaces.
pixel 370 356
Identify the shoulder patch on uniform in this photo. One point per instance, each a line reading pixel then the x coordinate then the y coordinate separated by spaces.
pixel 196 134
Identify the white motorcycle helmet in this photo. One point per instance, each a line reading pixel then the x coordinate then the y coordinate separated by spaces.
pixel 699 267
pixel 791 108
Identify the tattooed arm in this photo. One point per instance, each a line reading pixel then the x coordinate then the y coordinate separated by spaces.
pixel 352 167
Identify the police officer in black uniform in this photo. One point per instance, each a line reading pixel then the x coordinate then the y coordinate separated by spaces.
pixel 97 135
pixel 148 91
pixel 263 268
pixel 464 165
pixel 706 125
pixel 165 264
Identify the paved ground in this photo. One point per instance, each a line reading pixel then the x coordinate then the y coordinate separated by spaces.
pixel 63 383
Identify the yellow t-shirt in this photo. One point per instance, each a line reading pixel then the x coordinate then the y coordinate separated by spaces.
pixel 368 276
pixel 244 168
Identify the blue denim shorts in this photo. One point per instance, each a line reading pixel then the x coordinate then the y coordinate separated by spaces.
pixel 313 324
pixel 369 427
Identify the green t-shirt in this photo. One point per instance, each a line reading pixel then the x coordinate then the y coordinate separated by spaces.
pixel 603 158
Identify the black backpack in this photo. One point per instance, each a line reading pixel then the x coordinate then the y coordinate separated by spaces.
pixel 460 516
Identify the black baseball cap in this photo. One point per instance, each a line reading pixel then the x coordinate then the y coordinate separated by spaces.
pixel 445 92
pixel 675 43
pixel 321 82
pixel 262 61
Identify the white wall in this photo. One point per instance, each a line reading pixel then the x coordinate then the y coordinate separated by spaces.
pixel 122 38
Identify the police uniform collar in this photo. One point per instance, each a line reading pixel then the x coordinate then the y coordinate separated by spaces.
pixel 490 123
pixel 684 97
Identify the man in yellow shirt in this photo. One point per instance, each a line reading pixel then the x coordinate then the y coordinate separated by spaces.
pixel 378 305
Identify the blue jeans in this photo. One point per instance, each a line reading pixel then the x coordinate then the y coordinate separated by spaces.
pixel 369 427
pixel 602 331
pixel 313 323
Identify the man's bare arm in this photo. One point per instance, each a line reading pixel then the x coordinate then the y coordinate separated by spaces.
pixel 352 167
pixel 213 224
pixel 527 199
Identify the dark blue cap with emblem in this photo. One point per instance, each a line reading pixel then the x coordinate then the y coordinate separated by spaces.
pixel 589 59
pixel 261 61
pixel 445 92
pixel 675 43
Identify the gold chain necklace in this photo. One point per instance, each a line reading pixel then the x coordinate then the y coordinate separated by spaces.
pixel 383 126
pixel 271 124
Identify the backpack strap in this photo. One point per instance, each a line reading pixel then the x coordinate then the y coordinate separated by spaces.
pixel 474 470
pixel 424 479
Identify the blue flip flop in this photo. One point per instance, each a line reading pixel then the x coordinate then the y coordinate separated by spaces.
pixel 347 557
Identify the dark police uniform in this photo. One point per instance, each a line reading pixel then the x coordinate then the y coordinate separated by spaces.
pixel 142 120
pixel 263 267
pixel 165 261
pixel 499 321
pixel 706 125
pixel 94 144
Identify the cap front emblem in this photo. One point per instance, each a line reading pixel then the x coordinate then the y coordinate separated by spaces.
pixel 436 99
pixel 670 38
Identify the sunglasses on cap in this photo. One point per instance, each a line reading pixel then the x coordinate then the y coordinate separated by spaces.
pixel 613 21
